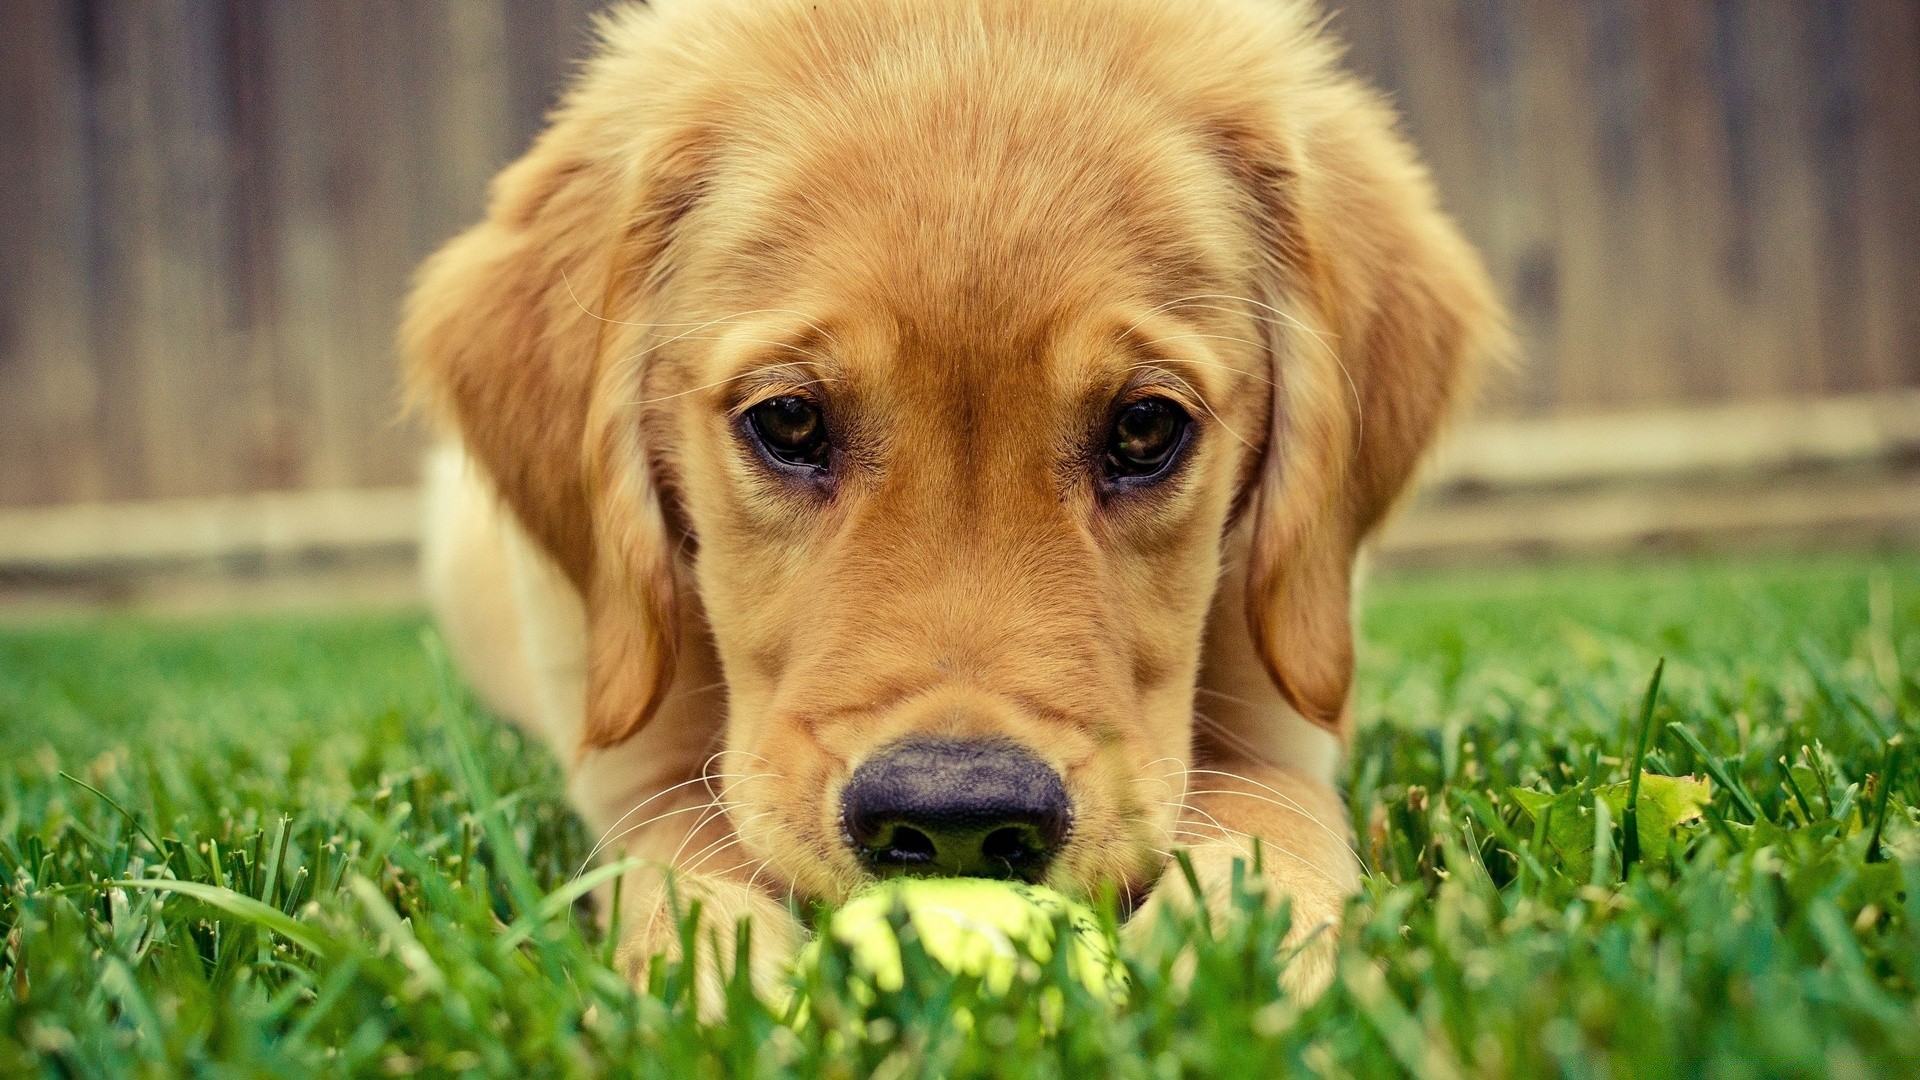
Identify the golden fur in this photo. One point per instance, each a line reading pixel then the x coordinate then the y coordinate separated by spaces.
pixel 966 225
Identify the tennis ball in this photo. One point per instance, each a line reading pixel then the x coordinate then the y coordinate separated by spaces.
pixel 993 930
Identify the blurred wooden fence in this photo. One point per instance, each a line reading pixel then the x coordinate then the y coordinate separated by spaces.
pixel 209 209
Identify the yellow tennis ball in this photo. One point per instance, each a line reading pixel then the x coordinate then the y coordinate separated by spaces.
pixel 993 930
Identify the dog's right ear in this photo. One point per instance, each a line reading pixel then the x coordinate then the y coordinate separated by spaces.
pixel 508 334
pixel 1384 315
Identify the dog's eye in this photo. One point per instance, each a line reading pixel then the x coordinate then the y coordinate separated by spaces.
pixel 1147 436
pixel 791 429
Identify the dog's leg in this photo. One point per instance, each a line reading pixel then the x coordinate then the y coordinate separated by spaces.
pixel 694 858
pixel 1261 771
pixel 1304 848
pixel 657 797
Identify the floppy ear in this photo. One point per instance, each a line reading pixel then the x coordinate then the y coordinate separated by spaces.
pixel 1385 311
pixel 504 336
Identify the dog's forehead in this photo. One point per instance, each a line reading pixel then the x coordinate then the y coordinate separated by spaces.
pixel 1013 281
pixel 1002 243
pixel 970 209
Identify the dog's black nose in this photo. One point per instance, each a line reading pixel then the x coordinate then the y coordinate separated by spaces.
pixel 952 808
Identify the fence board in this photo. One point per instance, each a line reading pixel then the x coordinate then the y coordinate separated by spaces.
pixel 48 387
pixel 209 209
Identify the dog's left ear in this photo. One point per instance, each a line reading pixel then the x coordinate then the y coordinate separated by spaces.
pixel 1378 314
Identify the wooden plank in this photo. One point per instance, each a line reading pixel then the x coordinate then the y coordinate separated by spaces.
pixel 48 390
pixel 168 330
pixel 267 419
pixel 1888 34
pixel 367 581
pixel 1745 437
pixel 1822 510
pixel 62 538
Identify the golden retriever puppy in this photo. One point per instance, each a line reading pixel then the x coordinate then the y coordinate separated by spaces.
pixel 935 437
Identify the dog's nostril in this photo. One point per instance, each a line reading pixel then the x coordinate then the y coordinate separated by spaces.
pixel 1010 845
pixel 909 844
pixel 956 809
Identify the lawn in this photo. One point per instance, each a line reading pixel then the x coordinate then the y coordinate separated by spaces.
pixel 288 848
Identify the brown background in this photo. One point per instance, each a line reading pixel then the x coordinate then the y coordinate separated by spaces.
pixel 209 209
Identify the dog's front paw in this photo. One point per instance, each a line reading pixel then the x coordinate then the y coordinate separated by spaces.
pixel 653 922
pixel 1309 945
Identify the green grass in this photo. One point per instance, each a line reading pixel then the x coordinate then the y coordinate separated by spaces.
pixel 361 844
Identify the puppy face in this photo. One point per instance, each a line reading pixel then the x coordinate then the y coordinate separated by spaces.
pixel 964 486
pixel 933 358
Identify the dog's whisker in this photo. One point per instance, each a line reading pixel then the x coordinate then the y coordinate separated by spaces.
pixel 1156 362
pixel 707 689
pixel 1202 840
pixel 1165 779
pixel 1220 835
pixel 1154 365
pixel 1210 363
pixel 715 811
pixel 736 866
pixel 1289 804
pixel 707 854
pixel 657 818
pixel 1211 820
pixel 1266 846
pixel 1279 315
pixel 657 346
pixel 1234 739
pixel 736 781
pixel 734 836
pixel 701 857
pixel 1162 779
pixel 604 841
pixel 1179 767
pixel 1280 319
pixel 1158 308
pixel 1285 802
pixel 609 837
pixel 1282 802
pixel 753 881
pixel 1223 696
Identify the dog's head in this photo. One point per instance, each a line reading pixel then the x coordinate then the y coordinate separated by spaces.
pixel 937 356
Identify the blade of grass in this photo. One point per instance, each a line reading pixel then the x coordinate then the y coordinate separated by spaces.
pixel 1406 1039
pixel 1793 789
pixel 413 955
pixel 1602 843
pixel 1630 820
pixel 1719 773
pixel 124 812
pixel 512 861
pixel 1199 894
pixel 244 908
pixel 1889 773
pixel 560 900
